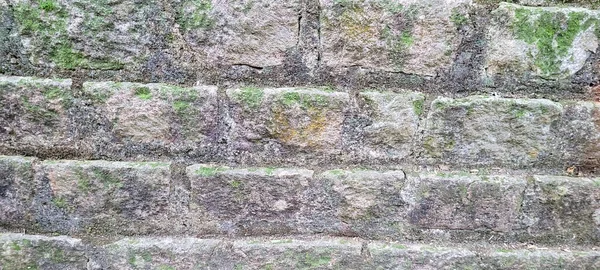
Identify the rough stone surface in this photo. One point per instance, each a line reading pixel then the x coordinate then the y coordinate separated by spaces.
pixel 361 203
pixel 464 202
pixel 96 198
pixel 556 208
pixel 409 36
pixel 240 33
pixel 393 124
pixel 99 197
pixel 34 114
pixel 551 43
pixel 16 190
pixel 579 132
pixel 19 251
pixel 40 252
pixel 260 201
pixel 162 40
pixel 275 124
pixel 479 131
pixel 156 117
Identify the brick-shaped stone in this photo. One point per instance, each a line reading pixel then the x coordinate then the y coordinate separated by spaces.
pixel 394 123
pixel 88 34
pixel 18 251
pixel 157 115
pixel 464 202
pixel 579 136
pixel 16 190
pixel 557 208
pixel 34 114
pixel 242 32
pixel 358 202
pixel 99 197
pixel 276 123
pixel 250 201
pixel 491 131
pixel 414 37
pixel 546 42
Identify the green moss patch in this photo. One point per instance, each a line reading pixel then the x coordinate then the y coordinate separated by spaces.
pixel 46 22
pixel 209 171
pixel 143 92
pixel 304 100
pixel 250 96
pixel 195 14
pixel 552 33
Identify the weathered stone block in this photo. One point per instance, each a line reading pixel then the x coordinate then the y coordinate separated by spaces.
pixel 16 190
pixel 101 197
pixel 579 133
pixel 243 32
pixel 100 35
pixel 162 253
pixel 18 251
pixel 254 201
pixel 557 208
pixel 503 258
pixel 464 201
pixel 285 122
pixel 34 114
pixel 164 116
pixel 491 131
pixel 394 123
pixel 551 43
pixel 410 36
pixel 400 256
pixel 360 203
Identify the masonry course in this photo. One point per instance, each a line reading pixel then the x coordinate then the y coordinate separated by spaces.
pixel 306 134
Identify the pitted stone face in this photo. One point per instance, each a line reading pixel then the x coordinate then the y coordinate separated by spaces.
pixel 549 42
pixel 410 36
pixel 491 131
pixel 35 112
pixel 298 119
pixel 101 196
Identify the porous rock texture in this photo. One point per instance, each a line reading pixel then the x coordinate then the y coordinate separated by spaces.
pixel 304 134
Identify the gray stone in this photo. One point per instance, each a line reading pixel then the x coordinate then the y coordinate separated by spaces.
pixel 480 131
pixel 242 32
pixel 362 203
pixel 162 253
pixel 394 124
pixel 69 34
pixel 274 124
pixel 172 118
pixel 557 208
pixel 464 202
pixel 101 198
pixel 552 43
pixel 579 132
pixel 249 201
pixel 34 115
pixel 410 36
pixel 16 191
pixel 503 258
pixel 19 251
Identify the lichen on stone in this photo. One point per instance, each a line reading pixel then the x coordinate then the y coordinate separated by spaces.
pixel 46 23
pixel 552 34
pixel 250 96
pixel 195 14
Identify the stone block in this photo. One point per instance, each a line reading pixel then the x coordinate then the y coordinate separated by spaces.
pixel 102 197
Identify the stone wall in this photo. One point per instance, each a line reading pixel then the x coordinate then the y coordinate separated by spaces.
pixel 303 134
pixel 544 48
